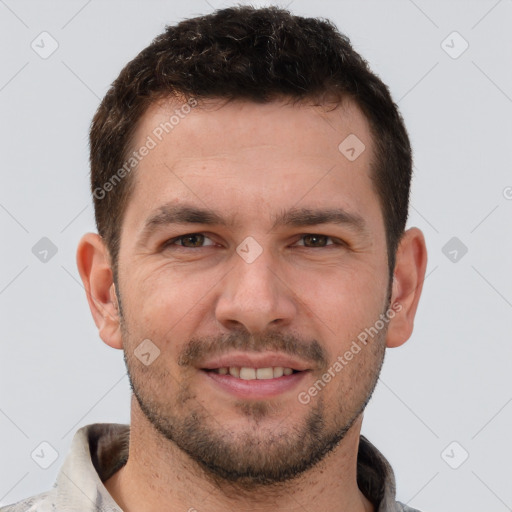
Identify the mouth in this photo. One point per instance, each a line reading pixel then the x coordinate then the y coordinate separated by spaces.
pixel 255 376
pixel 248 373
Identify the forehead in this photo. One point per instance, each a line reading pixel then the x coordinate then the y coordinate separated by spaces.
pixel 242 156
pixel 300 128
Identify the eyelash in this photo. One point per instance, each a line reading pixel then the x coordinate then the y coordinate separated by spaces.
pixel 172 242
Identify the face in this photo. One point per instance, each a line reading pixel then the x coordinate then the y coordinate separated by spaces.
pixel 252 257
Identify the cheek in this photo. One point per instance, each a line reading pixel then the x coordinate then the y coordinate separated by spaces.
pixel 344 307
pixel 345 296
pixel 162 303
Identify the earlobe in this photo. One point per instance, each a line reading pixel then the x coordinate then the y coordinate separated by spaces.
pixel 408 277
pixel 95 270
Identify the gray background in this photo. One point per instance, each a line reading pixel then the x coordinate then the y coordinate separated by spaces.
pixel 450 382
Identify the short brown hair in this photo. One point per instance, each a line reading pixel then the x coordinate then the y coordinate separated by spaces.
pixel 259 55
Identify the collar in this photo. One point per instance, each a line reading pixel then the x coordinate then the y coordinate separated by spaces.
pixel 99 450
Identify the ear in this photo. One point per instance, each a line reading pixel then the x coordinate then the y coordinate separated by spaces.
pixel 409 274
pixel 93 263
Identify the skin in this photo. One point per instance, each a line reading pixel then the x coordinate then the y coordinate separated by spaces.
pixel 248 163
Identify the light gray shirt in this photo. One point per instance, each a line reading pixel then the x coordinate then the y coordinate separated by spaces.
pixel 101 449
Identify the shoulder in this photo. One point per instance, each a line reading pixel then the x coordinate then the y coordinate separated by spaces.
pixel 42 502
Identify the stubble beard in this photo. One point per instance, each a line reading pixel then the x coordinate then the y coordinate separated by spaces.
pixel 260 456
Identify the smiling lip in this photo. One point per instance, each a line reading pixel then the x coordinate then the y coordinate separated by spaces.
pixel 255 360
pixel 255 388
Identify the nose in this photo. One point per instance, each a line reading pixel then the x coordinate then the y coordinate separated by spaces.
pixel 254 295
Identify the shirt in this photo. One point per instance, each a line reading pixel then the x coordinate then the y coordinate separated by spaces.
pixel 101 449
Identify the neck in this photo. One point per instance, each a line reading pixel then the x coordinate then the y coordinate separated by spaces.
pixel 159 476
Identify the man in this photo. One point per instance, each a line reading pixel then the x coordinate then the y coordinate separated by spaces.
pixel 251 179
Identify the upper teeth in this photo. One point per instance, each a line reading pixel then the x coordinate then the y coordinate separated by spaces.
pixel 247 373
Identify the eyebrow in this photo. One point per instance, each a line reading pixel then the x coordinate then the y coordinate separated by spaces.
pixel 298 217
pixel 170 214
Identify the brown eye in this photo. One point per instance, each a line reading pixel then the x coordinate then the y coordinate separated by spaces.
pixel 190 241
pixel 315 240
